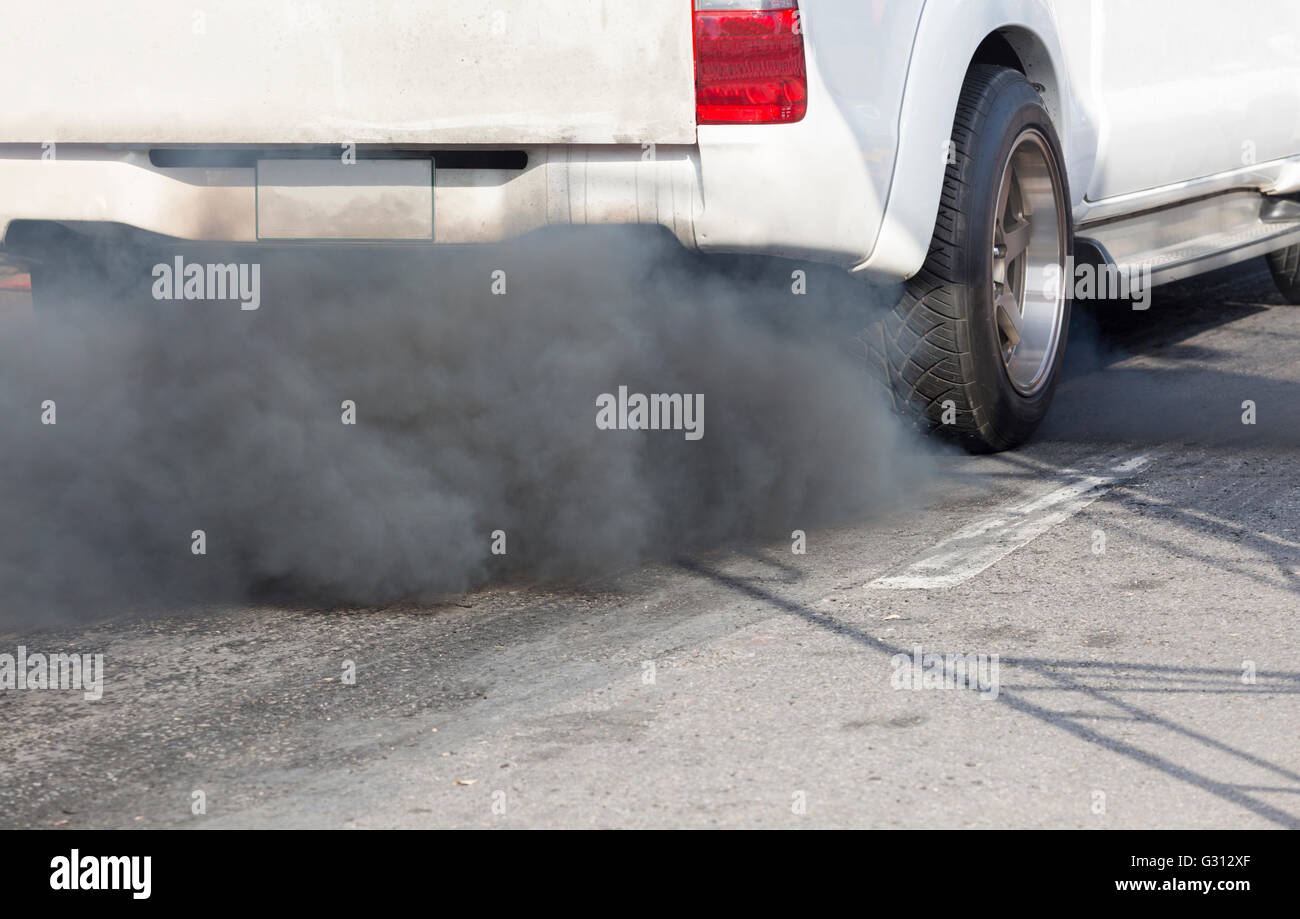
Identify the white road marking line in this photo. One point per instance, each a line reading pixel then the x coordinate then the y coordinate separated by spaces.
pixel 988 540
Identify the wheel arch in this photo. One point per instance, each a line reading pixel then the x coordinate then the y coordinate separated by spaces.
pixel 975 33
pixel 1023 49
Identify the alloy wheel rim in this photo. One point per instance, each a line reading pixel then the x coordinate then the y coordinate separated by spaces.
pixel 1028 255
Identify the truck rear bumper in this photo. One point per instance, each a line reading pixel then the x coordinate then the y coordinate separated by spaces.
pixel 799 191
pixel 560 185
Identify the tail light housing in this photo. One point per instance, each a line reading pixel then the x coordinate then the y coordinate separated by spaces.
pixel 749 62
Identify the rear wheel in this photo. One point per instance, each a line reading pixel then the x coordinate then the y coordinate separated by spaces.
pixel 68 269
pixel 77 276
pixel 1285 265
pixel 974 347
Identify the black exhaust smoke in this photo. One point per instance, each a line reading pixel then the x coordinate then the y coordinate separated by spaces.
pixel 400 426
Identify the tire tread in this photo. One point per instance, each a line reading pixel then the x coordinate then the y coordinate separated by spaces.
pixel 1285 267
pixel 925 343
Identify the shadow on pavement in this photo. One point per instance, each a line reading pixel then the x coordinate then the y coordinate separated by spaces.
pixel 1069 676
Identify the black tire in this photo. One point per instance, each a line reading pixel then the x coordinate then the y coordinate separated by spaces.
pixel 75 276
pixel 1285 265
pixel 68 272
pixel 940 347
pixel 50 289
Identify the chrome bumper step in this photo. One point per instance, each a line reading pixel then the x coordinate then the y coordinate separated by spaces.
pixel 1186 239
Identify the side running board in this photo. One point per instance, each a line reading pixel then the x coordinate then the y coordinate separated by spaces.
pixel 1185 239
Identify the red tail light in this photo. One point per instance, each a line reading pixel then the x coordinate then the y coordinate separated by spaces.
pixel 749 64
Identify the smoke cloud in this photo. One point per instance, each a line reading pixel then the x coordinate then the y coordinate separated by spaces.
pixel 475 412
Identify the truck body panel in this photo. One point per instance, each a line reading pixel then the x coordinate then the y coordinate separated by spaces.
pixel 380 71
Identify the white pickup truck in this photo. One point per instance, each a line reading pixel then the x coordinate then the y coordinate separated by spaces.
pixel 969 147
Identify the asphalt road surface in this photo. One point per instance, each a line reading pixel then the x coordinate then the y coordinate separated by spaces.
pixel 1136 571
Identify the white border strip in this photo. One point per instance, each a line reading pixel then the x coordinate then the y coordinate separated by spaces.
pixel 992 538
